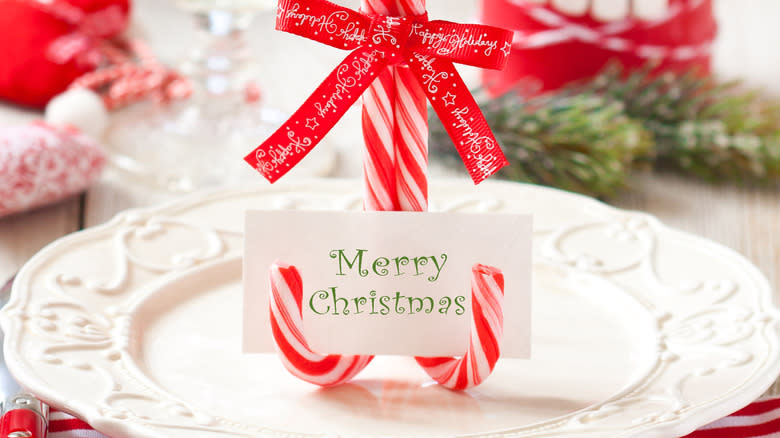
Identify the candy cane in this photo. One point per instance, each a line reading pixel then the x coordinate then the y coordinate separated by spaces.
pixel 287 328
pixel 379 172
pixel 411 130
pixel 411 162
pixel 379 156
pixel 395 130
pixel 487 325
pixel 487 294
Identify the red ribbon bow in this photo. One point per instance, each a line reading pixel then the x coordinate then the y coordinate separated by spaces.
pixel 429 48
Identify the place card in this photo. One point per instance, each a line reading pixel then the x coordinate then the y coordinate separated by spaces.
pixel 387 282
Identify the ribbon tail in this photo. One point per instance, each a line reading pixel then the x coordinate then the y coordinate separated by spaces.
pixel 460 115
pixel 319 113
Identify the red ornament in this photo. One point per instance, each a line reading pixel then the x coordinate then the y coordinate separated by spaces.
pixel 46 45
pixel 552 48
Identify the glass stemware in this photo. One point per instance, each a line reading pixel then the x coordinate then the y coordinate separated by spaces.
pixel 200 142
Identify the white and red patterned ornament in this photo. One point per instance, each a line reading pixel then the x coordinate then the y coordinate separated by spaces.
pixel 559 41
pixel 41 164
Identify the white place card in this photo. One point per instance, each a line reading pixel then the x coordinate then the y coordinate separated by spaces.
pixel 387 282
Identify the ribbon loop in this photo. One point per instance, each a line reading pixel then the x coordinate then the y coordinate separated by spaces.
pixel 324 22
pixel 318 114
pixel 428 47
pixel 470 44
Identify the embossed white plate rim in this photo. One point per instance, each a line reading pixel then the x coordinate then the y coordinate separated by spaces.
pixel 704 414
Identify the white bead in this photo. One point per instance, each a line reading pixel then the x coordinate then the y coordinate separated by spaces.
pixel 79 107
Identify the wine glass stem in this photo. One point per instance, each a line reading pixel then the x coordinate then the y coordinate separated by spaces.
pixel 223 53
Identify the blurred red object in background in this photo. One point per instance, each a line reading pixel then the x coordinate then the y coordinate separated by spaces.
pixel 553 47
pixel 44 46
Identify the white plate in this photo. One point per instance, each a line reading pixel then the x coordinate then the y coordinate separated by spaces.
pixel 639 330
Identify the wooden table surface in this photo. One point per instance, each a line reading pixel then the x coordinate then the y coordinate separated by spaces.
pixel 745 219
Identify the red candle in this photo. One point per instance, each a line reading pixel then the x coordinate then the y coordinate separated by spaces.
pixel 554 45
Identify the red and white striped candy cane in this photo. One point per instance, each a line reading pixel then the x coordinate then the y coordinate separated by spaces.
pixel 379 156
pixel 287 328
pixel 487 295
pixel 395 129
pixel 487 326
pixel 410 142
pixel 411 130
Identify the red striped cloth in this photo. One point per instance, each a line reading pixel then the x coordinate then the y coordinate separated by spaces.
pixel 761 419
pixel 62 425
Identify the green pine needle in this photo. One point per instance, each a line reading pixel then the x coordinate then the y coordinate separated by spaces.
pixel 588 137
pixel 580 143
pixel 717 131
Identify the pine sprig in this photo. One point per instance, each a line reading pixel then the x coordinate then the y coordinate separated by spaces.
pixel 717 131
pixel 581 143
pixel 590 136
